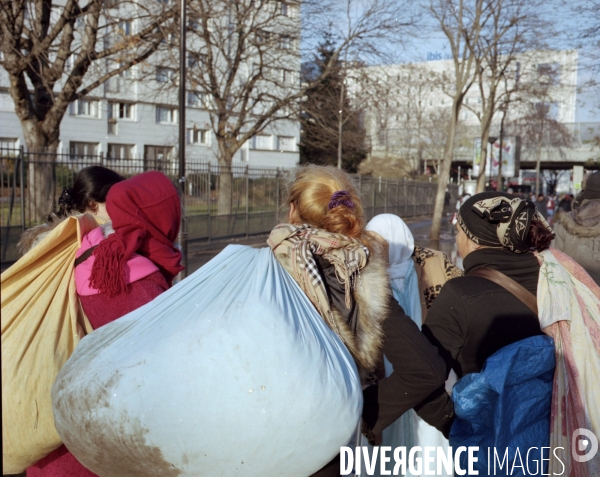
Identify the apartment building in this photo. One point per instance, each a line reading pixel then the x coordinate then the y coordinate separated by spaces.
pixel 134 116
pixel 409 117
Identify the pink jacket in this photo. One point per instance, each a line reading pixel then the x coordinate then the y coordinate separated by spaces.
pixel 137 266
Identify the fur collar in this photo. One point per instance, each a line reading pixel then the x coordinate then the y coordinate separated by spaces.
pixel 372 294
pixel 583 221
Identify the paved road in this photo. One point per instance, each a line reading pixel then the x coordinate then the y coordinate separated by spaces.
pixel 200 253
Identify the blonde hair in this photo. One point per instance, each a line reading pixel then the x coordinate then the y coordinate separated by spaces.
pixel 311 189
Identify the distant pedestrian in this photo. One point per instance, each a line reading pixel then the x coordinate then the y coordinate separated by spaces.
pixel 578 232
pixel 565 203
pixel 541 204
pixel 550 205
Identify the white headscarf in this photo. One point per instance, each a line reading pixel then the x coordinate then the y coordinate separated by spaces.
pixel 402 244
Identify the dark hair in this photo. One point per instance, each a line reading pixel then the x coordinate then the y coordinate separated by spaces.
pixel 539 237
pixel 91 185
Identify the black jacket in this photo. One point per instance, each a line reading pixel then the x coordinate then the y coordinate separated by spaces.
pixel 418 368
pixel 472 318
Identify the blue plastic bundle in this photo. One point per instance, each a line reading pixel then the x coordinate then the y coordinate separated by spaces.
pixel 231 372
pixel 505 410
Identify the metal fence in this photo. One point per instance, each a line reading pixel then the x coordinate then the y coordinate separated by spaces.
pixel 256 194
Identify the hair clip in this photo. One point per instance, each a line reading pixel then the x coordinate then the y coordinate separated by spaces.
pixel 340 197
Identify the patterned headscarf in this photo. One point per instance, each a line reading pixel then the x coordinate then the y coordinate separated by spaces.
pixel 302 243
pixel 497 219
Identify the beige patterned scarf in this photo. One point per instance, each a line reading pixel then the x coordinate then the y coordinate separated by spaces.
pixel 301 243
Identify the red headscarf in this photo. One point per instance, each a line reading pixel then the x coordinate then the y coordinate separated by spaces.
pixel 146 213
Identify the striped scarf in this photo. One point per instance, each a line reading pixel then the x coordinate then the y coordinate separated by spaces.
pixel 569 311
pixel 301 243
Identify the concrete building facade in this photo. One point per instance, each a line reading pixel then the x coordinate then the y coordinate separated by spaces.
pixel 134 117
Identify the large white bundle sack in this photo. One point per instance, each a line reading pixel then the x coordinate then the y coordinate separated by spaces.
pixel 231 372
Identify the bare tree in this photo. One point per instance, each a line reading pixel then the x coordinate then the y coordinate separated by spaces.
pixel 404 120
pixel 541 133
pixel 249 55
pixel 461 23
pixel 59 52
pixel 510 27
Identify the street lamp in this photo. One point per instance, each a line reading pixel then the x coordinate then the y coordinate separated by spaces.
pixel 503 108
pixel 182 237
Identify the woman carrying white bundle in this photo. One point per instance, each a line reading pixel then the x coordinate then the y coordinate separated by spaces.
pixel 342 270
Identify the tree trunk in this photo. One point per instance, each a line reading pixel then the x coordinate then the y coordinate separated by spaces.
pixel 41 178
pixel 225 197
pixel 443 176
pixel 483 163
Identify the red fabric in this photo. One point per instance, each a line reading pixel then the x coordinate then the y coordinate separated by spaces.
pixel 101 309
pixel 145 212
pixel 59 463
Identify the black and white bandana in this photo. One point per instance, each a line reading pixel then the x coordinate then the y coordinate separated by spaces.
pixel 496 219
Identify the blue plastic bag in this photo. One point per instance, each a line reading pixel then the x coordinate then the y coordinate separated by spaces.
pixel 231 372
pixel 505 409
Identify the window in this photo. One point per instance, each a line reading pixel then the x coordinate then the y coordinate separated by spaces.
pixel 166 115
pixel 126 73
pixel 547 110
pixel 196 60
pixel 165 74
pixel 120 151
pixel 124 28
pixel 263 141
pixel 197 136
pixel 285 42
pixel 157 157
pixel 287 10
pixel 289 77
pixel 112 85
pixel 121 111
pixel 263 36
pixel 85 107
pixel 193 24
pixel 78 149
pixel 549 73
pixel 196 99
pixel 8 143
pixel 286 143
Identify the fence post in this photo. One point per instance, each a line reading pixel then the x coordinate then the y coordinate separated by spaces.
pixel 22 187
pixel 387 190
pixel 247 198
pixel 397 208
pixel 374 199
pixel 415 201
pixel 209 202
pixel 277 196
pixel 405 205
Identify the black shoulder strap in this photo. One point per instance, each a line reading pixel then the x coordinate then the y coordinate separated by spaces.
pixel 85 255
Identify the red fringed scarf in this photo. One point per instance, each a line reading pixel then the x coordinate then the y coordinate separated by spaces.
pixel 146 213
